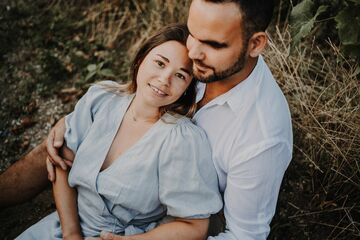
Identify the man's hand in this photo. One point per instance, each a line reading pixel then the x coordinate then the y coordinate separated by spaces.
pixel 55 141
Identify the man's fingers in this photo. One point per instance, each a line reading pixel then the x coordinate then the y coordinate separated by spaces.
pixel 53 152
pixel 58 138
pixel 50 169
pixel 56 159
pixel 68 162
pixel 50 160
pixel 55 141
pixel 63 165
pixel 51 136
pixel 50 139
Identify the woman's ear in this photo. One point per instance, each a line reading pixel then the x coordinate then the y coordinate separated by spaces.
pixel 257 44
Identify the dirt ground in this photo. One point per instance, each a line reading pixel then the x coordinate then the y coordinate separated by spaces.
pixel 15 220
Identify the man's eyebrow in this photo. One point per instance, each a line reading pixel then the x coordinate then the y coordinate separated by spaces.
pixel 164 58
pixel 212 43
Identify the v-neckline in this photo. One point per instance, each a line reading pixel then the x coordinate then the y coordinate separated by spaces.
pixel 120 119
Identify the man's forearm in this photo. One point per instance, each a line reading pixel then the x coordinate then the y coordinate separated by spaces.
pixel 25 178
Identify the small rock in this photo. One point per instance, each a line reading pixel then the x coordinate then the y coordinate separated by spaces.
pixel 22 124
pixel 52 120
pixel 25 144
pixel 71 90
pixel 27 122
pixel 31 107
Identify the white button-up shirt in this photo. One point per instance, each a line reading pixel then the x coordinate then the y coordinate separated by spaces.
pixel 250 132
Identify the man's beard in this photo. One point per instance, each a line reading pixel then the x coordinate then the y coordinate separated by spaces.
pixel 219 76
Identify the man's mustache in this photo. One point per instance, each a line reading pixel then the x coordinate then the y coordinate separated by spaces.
pixel 201 64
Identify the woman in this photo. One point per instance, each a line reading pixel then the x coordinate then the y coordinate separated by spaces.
pixel 137 157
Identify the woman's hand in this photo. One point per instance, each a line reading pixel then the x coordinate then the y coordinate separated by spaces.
pixel 110 236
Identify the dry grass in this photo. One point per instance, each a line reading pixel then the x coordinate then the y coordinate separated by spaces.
pixel 111 22
pixel 122 26
pixel 324 98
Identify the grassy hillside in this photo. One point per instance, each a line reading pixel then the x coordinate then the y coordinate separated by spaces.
pixel 50 51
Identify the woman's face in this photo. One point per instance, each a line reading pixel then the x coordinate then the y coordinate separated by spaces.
pixel 164 74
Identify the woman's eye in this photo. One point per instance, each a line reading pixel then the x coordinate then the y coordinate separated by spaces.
pixel 179 75
pixel 159 63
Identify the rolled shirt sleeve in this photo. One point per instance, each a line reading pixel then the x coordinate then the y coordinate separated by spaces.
pixel 252 190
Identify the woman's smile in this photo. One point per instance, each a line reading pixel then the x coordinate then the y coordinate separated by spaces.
pixel 157 91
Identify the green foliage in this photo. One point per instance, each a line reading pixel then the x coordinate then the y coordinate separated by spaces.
pixel 303 18
pixel 348 25
pixel 308 16
pixel 98 70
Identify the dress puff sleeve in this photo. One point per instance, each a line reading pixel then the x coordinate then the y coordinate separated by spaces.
pixel 188 184
pixel 79 121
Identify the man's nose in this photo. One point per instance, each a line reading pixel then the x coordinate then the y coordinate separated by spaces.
pixel 195 49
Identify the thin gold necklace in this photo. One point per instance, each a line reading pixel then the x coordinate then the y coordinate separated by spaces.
pixel 135 119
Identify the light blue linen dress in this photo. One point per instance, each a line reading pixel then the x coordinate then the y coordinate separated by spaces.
pixel 169 171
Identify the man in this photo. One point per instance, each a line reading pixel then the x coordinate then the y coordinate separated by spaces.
pixel 240 107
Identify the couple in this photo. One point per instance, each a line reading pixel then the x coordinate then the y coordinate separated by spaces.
pixel 240 107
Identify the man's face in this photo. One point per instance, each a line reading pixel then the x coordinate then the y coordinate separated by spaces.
pixel 215 42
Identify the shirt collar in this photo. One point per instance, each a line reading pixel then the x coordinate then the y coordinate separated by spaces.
pixel 239 94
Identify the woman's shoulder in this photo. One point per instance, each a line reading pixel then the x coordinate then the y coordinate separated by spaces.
pixel 178 121
pixel 183 129
pixel 100 96
pixel 102 91
pixel 104 88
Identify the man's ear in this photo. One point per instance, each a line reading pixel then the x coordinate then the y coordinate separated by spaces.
pixel 257 44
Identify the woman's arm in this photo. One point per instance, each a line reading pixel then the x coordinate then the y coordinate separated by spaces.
pixel 65 200
pixel 180 229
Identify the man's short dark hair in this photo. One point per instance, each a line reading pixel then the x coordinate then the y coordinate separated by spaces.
pixel 257 14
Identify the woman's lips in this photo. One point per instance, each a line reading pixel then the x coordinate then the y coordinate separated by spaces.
pixel 157 91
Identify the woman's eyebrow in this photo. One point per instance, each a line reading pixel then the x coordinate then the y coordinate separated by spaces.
pixel 167 60
pixel 164 58
pixel 185 70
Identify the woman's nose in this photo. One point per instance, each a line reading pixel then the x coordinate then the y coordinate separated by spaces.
pixel 165 78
